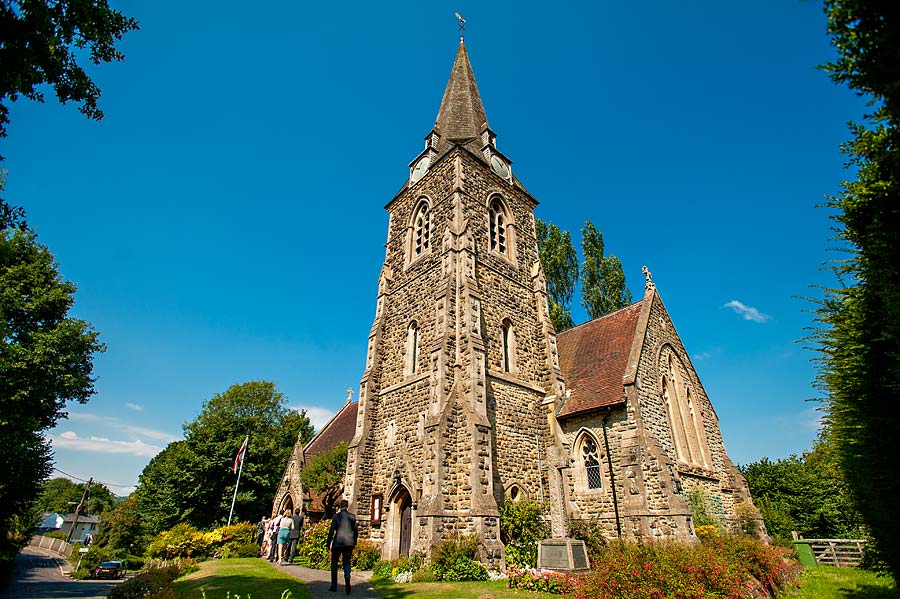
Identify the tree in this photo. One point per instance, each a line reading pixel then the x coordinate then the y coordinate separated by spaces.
pixel 806 493
pixel 46 360
pixel 122 528
pixel 858 321
pixel 603 287
pixel 41 41
pixel 62 495
pixel 192 480
pixel 324 474
pixel 560 264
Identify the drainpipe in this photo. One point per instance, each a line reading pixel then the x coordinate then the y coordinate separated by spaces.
pixel 612 479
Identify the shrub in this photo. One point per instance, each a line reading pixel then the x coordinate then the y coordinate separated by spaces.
pixel 365 554
pixel 748 518
pixel 706 532
pixel 702 508
pixel 182 540
pixel 423 574
pixel 245 550
pixel 311 550
pixel 381 569
pixel 591 532
pixel 227 539
pixel 154 582
pixel 455 560
pixel 522 525
pixel 538 580
pixel 56 534
pixel 728 566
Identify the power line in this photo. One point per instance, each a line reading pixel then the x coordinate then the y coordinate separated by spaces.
pixel 95 482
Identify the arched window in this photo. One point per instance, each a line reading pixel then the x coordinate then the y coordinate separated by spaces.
pixel 590 460
pixel 498 226
pixel 421 230
pixel 508 339
pixel 412 349
pixel 688 434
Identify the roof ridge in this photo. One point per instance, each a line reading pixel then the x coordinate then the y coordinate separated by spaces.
pixel 631 305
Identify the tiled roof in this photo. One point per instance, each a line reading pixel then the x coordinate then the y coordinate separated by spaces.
pixel 593 357
pixel 340 428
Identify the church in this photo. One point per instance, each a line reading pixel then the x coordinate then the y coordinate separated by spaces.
pixel 470 398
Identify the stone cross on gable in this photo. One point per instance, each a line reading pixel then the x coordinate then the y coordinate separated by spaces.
pixel 349 394
pixel 650 284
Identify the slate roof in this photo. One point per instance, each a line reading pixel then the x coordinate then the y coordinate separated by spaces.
pixel 341 427
pixel 461 117
pixel 593 357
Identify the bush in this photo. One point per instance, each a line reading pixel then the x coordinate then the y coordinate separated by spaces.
pixel 591 532
pixel 155 582
pixel 423 574
pixel 365 554
pixel 182 540
pixel 381 569
pixel 522 525
pixel 227 539
pixel 455 560
pixel 702 508
pixel 311 550
pixel 728 566
pixel 56 534
pixel 538 580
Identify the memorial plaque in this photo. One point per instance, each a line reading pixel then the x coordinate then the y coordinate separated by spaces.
pixel 555 556
pixel 562 554
pixel 579 555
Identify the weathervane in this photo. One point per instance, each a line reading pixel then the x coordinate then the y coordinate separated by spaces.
pixel 462 27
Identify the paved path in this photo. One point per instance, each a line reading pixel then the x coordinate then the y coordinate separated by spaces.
pixel 318 581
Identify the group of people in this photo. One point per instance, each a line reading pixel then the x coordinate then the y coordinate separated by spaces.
pixel 278 537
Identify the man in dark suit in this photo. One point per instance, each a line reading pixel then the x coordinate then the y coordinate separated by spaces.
pixel 340 542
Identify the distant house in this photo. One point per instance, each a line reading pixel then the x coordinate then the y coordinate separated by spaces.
pixel 86 525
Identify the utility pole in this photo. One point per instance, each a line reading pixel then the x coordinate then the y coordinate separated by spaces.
pixel 78 509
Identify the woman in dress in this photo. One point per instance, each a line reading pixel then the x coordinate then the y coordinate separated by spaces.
pixel 285 526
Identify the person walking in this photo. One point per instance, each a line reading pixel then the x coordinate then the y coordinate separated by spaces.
pixel 285 525
pixel 261 531
pixel 272 535
pixel 340 542
pixel 294 537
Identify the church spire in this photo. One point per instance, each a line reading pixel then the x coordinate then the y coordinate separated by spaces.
pixel 461 118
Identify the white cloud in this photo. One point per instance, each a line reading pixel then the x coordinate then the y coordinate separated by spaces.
pixel 747 312
pixel 70 440
pixel 704 355
pixel 318 416
pixel 116 424
pixel 135 407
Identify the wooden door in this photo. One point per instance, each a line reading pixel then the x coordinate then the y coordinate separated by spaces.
pixel 405 524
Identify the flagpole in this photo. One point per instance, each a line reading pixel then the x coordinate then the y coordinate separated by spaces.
pixel 238 482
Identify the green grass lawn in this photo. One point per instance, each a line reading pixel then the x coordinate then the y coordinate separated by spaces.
pixel 453 590
pixel 828 582
pixel 248 577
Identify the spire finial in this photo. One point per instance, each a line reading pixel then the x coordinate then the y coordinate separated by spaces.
pixel 650 284
pixel 462 27
pixel 349 394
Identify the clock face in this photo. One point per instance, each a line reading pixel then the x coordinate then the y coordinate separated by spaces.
pixel 420 169
pixel 499 167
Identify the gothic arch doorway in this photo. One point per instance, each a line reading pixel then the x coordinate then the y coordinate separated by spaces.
pixel 287 503
pixel 402 510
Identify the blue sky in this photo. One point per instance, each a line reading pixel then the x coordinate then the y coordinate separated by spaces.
pixel 225 221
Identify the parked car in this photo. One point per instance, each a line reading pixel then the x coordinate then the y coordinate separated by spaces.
pixel 113 569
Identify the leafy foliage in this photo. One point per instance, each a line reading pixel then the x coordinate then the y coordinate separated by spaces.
pixel 541 581
pixel 859 320
pixel 59 494
pixel 560 264
pixel 122 528
pixel 702 508
pixel 192 481
pixel 46 360
pixel 311 548
pixel 727 566
pixel 592 533
pixel 324 473
pixel 43 39
pixel 455 559
pixel 603 287
pixel 522 525
pixel 154 582
pixel 805 493
pixel 185 541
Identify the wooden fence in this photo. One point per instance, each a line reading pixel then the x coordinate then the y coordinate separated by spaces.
pixel 57 545
pixel 846 553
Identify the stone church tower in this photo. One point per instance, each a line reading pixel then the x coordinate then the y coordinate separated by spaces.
pixel 462 352
pixel 469 398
